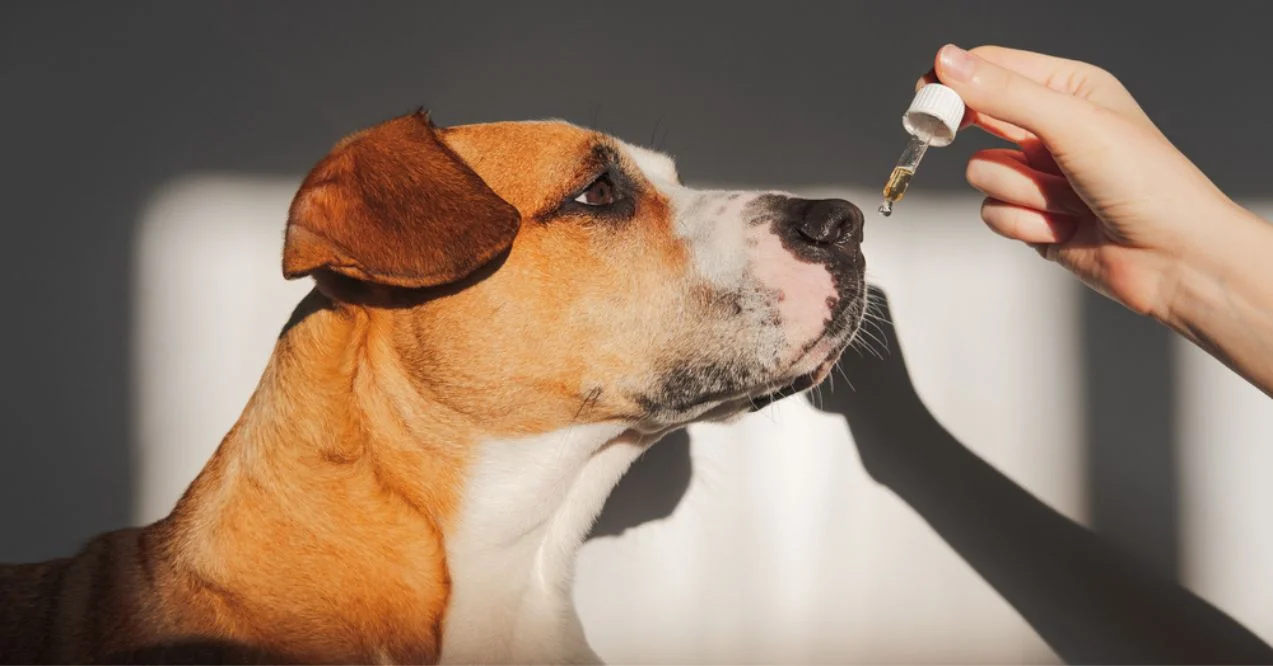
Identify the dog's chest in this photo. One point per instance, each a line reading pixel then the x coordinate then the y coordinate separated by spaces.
pixel 527 504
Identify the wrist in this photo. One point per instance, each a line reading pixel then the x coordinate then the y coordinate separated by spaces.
pixel 1224 257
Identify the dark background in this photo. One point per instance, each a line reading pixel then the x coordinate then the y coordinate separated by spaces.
pixel 104 102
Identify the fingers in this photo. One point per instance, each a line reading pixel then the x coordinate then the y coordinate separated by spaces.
pixel 1039 156
pixel 1071 77
pixel 1027 224
pixel 992 126
pixel 1010 97
pixel 1005 131
pixel 1007 175
pixel 1036 153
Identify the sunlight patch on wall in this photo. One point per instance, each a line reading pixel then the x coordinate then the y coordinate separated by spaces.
pixel 210 301
pixel 782 548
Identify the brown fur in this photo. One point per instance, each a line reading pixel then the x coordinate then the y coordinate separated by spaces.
pixel 396 206
pixel 315 532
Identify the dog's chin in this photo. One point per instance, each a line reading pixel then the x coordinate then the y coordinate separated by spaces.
pixel 805 374
pixel 732 410
pixel 796 386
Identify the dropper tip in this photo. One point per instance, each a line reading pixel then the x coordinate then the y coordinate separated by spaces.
pixel 886 208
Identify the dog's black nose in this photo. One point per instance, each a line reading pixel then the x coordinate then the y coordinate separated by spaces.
pixel 831 221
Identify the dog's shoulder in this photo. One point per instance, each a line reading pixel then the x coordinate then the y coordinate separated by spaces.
pixel 28 609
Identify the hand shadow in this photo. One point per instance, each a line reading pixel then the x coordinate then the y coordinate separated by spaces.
pixel 1090 602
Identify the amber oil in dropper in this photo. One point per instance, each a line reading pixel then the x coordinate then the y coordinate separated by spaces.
pixel 932 120
pixel 900 179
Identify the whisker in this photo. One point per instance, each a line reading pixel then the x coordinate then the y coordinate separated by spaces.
pixel 868 347
pixel 843 374
pixel 876 337
pixel 876 321
pixel 654 135
pixel 659 144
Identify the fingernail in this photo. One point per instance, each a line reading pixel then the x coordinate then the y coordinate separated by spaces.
pixel 956 63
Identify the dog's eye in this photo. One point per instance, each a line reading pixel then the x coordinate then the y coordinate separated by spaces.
pixel 601 192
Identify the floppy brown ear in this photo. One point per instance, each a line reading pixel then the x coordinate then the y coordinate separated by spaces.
pixel 394 205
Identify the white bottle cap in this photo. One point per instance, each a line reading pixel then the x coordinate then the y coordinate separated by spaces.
pixel 934 115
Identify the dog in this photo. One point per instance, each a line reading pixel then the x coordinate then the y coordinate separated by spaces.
pixel 505 315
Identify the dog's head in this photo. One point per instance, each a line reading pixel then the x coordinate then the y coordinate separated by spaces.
pixel 536 274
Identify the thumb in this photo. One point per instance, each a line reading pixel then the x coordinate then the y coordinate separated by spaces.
pixel 1003 94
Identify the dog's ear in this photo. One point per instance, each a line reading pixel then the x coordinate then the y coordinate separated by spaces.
pixel 394 205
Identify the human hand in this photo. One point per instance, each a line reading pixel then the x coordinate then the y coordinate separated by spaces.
pixel 1095 186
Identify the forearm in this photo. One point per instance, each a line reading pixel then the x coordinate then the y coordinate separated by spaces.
pixel 1222 296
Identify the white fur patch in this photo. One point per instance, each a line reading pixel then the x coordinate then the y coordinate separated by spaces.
pixel 657 167
pixel 528 504
pixel 735 255
pixel 713 225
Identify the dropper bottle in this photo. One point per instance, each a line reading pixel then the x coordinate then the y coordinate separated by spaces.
pixel 932 120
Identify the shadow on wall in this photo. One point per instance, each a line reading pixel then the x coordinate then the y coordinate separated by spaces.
pixel 1089 599
pixel 652 488
pixel 1132 449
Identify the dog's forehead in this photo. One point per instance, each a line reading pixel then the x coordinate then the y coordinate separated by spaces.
pixel 532 164
pixel 657 167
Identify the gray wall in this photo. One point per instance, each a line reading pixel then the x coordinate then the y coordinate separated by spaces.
pixel 104 102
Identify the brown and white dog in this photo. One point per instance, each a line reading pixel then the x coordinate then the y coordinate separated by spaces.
pixel 505 316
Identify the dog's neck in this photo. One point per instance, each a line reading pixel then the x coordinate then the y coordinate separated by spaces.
pixel 527 508
pixel 366 524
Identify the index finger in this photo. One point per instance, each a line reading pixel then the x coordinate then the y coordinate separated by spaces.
pixel 1004 130
pixel 1073 77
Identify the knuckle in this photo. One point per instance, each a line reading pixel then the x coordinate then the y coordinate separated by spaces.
pixel 987 49
pixel 1103 76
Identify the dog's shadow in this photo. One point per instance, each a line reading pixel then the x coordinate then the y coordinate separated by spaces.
pixel 652 488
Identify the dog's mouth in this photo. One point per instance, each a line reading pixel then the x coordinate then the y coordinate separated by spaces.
pixel 733 397
pixel 725 408
pixel 834 340
pixel 799 384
